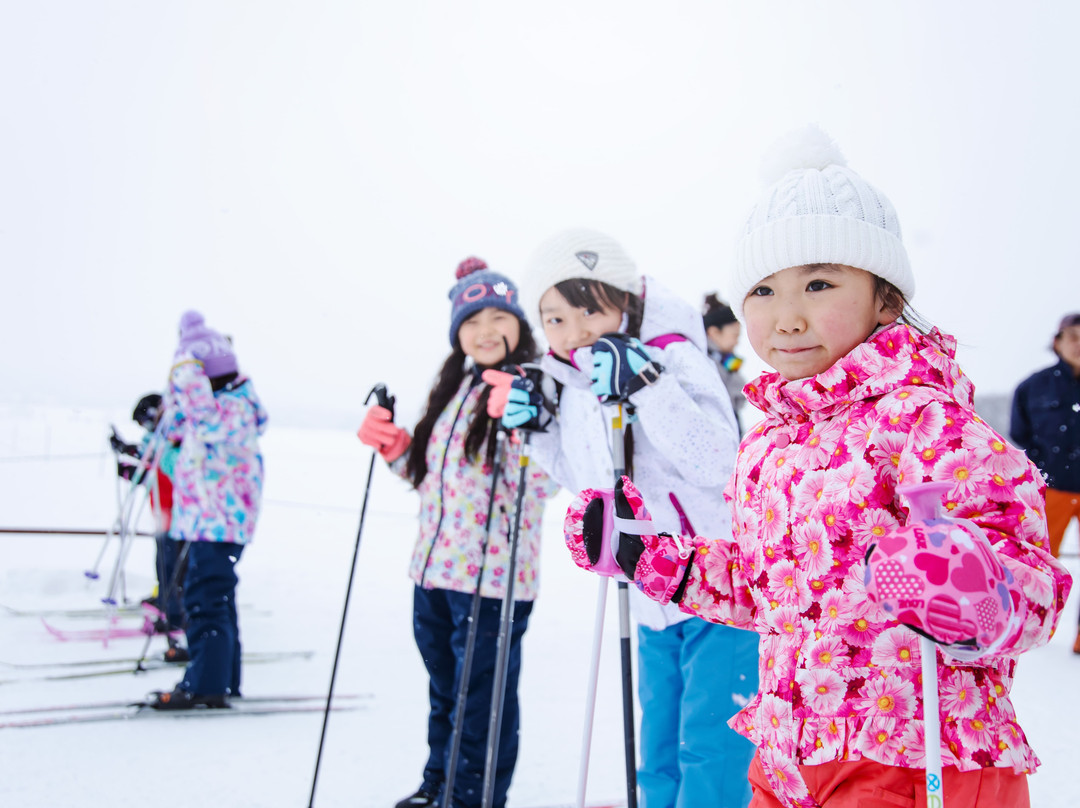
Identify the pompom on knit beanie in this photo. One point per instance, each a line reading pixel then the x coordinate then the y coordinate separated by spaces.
pixel 578 253
pixel 479 288
pixel 816 210
pixel 205 344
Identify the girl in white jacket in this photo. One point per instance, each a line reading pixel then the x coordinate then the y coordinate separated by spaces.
pixel 680 448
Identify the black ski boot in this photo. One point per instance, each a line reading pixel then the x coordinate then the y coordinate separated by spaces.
pixel 180 699
pixel 177 653
pixel 423 798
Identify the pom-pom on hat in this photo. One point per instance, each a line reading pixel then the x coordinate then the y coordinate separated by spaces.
pixel 578 253
pixel 205 344
pixel 478 288
pixel 816 210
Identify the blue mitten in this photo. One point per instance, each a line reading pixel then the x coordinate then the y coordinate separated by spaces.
pixel 621 367
pixel 514 399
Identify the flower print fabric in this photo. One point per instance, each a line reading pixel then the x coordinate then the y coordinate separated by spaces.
pixel 454 498
pixel 218 473
pixel 815 486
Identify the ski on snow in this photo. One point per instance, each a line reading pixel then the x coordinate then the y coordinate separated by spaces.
pixel 111 632
pixel 128 666
pixel 93 712
pixel 127 610
pixel 249 656
pixel 103 611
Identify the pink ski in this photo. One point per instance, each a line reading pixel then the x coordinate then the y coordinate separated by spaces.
pixel 103 635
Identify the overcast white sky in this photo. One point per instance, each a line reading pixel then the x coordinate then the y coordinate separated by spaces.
pixel 309 174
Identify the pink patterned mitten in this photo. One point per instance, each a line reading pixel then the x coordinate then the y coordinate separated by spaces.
pixel 941 578
pixel 609 533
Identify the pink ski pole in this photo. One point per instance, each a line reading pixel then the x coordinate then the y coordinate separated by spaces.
pixel 925 503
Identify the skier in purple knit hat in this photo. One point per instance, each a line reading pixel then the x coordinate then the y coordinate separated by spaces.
pixel 213 411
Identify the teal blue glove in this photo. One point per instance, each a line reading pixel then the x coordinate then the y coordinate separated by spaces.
pixel 522 406
pixel 621 367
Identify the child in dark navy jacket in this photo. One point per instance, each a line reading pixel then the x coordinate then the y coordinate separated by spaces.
pixel 1046 425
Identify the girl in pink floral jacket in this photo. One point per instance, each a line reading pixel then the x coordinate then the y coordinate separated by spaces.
pixel 452 460
pixel 862 403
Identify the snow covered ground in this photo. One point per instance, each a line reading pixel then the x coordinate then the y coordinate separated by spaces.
pixel 55 472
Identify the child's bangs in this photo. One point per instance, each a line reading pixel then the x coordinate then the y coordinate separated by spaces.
pixel 585 294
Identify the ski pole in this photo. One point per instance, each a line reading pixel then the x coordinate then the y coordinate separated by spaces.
pixel 470 640
pixel 92 573
pixel 590 696
pixel 502 645
pixel 147 466
pixel 925 501
pixel 385 400
pixel 618 456
pixel 163 600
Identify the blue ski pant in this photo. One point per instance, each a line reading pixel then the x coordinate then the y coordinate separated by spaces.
pixel 694 676
pixel 441 627
pixel 213 632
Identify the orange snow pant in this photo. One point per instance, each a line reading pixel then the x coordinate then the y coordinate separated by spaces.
pixel 869 784
pixel 1061 507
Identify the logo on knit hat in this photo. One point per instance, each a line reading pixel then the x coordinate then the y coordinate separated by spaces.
pixel 501 289
pixel 588 258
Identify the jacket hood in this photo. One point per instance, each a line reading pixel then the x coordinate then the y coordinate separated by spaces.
pixel 896 356
pixel 667 313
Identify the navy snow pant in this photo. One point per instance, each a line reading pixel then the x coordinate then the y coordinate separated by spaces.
pixel 213 633
pixel 441 626
pixel 170 592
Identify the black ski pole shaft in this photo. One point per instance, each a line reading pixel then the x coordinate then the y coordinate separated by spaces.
pixel 618 456
pixel 470 640
pixel 387 401
pixel 502 645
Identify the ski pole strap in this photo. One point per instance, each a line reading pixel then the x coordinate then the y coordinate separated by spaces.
pixel 645 377
pixel 634 527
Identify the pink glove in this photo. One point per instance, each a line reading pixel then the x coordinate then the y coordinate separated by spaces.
pixel 609 533
pixel 500 382
pixel 941 578
pixel 379 432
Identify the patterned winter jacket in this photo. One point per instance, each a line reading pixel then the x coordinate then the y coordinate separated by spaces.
pixel 218 476
pixel 816 483
pixel 454 499
pixel 685 436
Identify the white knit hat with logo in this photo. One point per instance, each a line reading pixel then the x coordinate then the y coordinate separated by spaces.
pixel 817 211
pixel 577 253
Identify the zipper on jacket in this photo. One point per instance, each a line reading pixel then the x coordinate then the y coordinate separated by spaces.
pixel 442 501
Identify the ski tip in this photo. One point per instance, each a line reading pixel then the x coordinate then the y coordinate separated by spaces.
pixel 93 576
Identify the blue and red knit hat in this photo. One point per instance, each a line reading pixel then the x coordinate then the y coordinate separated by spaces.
pixel 479 288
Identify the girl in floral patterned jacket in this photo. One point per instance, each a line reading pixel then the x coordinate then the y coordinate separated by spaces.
pixel 451 460
pixel 215 415
pixel 862 403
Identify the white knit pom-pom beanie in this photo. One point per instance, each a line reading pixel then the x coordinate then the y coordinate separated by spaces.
pixel 816 210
